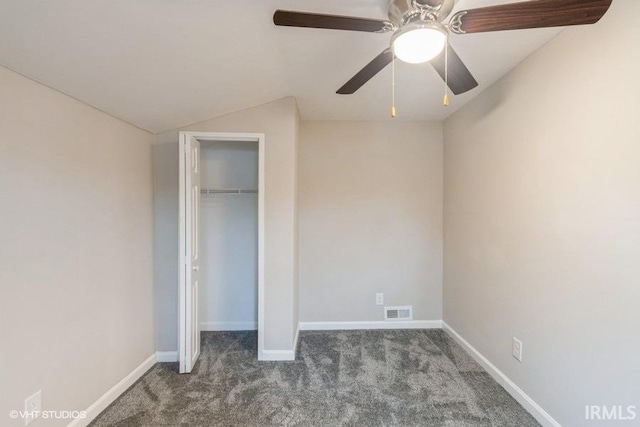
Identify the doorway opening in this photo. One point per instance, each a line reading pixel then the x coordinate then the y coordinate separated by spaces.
pixel 221 237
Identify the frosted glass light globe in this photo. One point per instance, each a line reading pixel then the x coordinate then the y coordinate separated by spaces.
pixel 420 42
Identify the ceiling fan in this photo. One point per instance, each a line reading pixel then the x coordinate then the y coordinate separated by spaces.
pixel 420 33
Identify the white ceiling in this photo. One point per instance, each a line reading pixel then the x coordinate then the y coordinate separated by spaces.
pixel 162 64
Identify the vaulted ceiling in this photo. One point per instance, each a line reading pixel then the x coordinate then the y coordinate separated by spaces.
pixel 162 64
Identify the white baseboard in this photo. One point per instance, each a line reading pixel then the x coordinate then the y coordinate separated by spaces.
pixel 516 392
pixel 167 356
pixel 228 326
pixel 273 355
pixel 335 326
pixel 113 393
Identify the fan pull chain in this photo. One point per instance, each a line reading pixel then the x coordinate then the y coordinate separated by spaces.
pixel 445 101
pixel 393 85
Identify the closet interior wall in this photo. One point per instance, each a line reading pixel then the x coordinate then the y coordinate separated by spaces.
pixel 229 235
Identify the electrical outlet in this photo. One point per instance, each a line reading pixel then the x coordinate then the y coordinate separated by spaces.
pixel 32 407
pixel 380 299
pixel 516 349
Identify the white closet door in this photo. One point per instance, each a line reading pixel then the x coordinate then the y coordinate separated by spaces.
pixel 189 252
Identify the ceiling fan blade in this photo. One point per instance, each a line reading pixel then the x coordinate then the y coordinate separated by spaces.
pixel 460 78
pixel 333 22
pixel 529 14
pixel 369 70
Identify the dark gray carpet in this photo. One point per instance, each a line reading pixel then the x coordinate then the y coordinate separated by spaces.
pixel 340 378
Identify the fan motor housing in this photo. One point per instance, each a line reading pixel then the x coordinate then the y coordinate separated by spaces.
pixel 403 11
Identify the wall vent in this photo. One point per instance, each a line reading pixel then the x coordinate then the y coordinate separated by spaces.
pixel 398 313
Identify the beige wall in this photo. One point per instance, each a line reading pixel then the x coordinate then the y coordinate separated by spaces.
pixel 76 288
pixel 370 219
pixel 278 121
pixel 542 219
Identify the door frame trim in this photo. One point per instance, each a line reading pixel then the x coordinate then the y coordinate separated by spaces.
pixel 224 136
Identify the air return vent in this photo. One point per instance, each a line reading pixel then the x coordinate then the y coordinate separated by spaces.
pixel 398 313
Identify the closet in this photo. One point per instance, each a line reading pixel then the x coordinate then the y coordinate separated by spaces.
pixel 228 235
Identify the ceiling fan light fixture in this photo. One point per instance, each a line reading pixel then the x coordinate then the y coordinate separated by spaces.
pixel 419 41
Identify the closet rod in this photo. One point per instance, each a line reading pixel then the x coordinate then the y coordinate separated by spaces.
pixel 220 191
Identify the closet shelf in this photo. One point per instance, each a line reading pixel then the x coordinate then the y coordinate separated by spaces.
pixel 226 191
